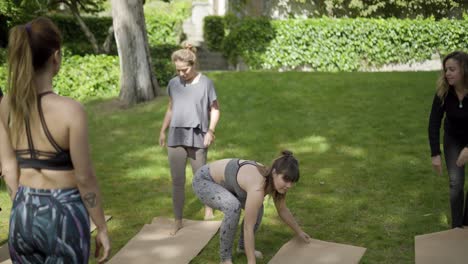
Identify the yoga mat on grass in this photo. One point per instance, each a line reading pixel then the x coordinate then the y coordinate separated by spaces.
pixel 317 252
pixel 449 246
pixel 154 244
pixel 4 254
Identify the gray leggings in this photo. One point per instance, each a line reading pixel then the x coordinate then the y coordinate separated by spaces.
pixel 217 197
pixel 177 161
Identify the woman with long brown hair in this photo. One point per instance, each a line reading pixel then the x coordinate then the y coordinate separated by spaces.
pixel 232 184
pixel 450 100
pixel 55 190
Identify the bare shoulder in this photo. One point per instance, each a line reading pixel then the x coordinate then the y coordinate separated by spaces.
pixel 249 177
pixel 69 107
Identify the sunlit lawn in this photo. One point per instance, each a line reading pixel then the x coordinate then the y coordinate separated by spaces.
pixel 361 139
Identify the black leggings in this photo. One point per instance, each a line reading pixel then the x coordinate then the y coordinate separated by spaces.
pixel 452 149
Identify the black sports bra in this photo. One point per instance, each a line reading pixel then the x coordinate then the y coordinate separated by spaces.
pixel 59 160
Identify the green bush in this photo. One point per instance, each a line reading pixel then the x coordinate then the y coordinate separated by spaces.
pixel 163 29
pixel 328 44
pixel 90 76
pixel 83 77
pixel 213 32
pixel 71 30
pixel 162 64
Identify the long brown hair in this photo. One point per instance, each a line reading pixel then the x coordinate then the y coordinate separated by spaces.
pixel 29 48
pixel 285 164
pixel 442 85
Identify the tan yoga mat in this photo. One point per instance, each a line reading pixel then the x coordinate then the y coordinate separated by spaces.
pixel 154 244
pixel 317 252
pixel 4 254
pixel 93 226
pixel 449 246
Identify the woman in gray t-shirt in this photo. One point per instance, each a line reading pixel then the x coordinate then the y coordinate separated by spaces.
pixel 192 115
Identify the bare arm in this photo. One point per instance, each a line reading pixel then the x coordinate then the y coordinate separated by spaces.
pixel 9 165
pixel 86 179
pixel 253 203
pixel 165 125
pixel 8 162
pixel 214 118
pixel 288 218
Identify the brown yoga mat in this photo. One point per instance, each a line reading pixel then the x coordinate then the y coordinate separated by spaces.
pixel 317 252
pixel 449 246
pixel 5 255
pixel 154 244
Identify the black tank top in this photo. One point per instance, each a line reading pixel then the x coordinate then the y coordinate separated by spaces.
pixel 58 160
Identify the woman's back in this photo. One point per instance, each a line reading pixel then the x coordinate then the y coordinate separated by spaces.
pixel 47 144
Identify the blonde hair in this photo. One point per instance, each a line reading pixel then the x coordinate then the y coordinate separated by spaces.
pixel 186 54
pixel 29 48
pixel 442 85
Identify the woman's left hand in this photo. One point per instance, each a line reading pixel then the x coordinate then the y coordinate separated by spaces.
pixel 305 237
pixel 462 157
pixel 209 138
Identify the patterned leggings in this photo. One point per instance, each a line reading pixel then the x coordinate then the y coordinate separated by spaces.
pixel 49 226
pixel 217 197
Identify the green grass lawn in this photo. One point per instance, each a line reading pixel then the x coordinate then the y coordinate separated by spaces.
pixel 361 139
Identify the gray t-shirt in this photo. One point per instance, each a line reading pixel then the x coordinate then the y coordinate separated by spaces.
pixel 190 111
pixel 191 102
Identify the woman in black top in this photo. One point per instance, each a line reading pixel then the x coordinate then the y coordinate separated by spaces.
pixel 451 100
pixel 51 182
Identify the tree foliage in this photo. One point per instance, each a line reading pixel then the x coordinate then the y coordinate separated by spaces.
pixel 386 9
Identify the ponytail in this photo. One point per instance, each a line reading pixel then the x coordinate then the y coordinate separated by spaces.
pixel 29 48
pixel 22 93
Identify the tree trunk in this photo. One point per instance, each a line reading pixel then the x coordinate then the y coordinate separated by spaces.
pixel 85 29
pixel 108 42
pixel 137 81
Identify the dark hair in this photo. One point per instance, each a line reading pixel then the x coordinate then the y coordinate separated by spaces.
pixel 29 48
pixel 442 84
pixel 285 164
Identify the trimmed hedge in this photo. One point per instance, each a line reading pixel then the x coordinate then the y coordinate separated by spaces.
pixel 213 32
pixel 84 77
pixel 328 44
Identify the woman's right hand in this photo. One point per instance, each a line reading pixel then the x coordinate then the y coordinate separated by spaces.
pixel 162 139
pixel 305 237
pixel 102 242
pixel 437 164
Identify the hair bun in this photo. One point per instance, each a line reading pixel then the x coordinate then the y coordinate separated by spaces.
pixel 189 46
pixel 286 153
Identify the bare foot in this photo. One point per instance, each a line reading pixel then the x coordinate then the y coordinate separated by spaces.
pixel 177 226
pixel 208 213
pixel 258 254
